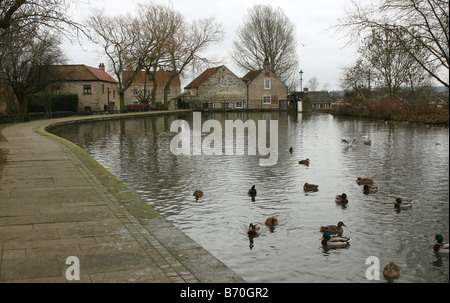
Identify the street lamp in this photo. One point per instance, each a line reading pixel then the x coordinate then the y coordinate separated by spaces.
pixel 301 80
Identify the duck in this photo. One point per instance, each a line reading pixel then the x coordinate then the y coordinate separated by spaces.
pixel 305 162
pixel 252 191
pixel 310 187
pixel 440 246
pixel 391 271
pixel 367 189
pixel 198 194
pixel 368 142
pixel 349 143
pixel 272 221
pixel 291 150
pixel 253 230
pixel 341 198
pixel 335 241
pixel 333 229
pixel 403 204
pixel 364 181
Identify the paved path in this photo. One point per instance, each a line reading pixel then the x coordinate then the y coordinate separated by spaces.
pixel 56 202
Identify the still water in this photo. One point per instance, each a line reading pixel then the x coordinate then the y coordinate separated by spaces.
pixel 410 161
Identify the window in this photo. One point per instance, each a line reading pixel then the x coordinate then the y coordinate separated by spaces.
pixel 225 104
pixel 103 89
pixel 267 84
pixel 135 91
pixel 266 100
pixel 209 105
pixel 239 104
pixel 223 83
pixel 87 89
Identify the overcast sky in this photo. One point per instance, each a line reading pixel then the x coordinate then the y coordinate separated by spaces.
pixel 321 53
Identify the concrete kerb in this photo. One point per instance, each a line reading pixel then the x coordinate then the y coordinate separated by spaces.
pixel 203 265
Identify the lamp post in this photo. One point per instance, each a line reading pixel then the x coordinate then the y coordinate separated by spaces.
pixel 301 80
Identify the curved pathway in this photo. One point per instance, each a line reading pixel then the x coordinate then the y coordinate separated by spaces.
pixel 57 202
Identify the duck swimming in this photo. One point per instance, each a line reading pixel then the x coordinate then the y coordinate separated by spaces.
pixel 341 198
pixel 198 194
pixel 403 204
pixel 305 162
pixel 440 246
pixel 333 229
pixel 391 271
pixel 364 181
pixel 272 221
pixel 253 230
pixel 335 241
pixel 310 187
pixel 367 189
pixel 252 191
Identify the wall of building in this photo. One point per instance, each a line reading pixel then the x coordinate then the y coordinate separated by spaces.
pixel 98 96
pixel 212 90
pixel 257 91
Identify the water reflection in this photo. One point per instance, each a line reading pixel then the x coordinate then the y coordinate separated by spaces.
pixel 403 160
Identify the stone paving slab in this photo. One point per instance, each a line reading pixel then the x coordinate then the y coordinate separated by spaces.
pixel 56 201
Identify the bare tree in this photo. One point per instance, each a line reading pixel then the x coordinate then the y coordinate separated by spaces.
pixel 416 24
pixel 25 62
pixel 267 33
pixel 30 16
pixel 187 44
pixel 118 38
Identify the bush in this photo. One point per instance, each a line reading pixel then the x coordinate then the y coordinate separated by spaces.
pixel 39 103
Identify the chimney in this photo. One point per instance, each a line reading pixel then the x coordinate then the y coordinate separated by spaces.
pixel 266 66
pixel 101 66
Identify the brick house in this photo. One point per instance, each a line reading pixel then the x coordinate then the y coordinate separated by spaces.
pixel 265 90
pixel 219 88
pixel 94 86
pixel 216 88
pixel 135 93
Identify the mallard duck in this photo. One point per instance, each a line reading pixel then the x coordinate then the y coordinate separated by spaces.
pixel 291 150
pixel 341 198
pixel 367 189
pixel 272 221
pixel 333 229
pixel 440 246
pixel 253 230
pixel 335 241
pixel 305 162
pixel 391 271
pixel 364 181
pixel 198 194
pixel 369 142
pixel 403 204
pixel 252 191
pixel 310 187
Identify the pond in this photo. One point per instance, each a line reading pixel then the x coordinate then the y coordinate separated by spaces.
pixel 404 160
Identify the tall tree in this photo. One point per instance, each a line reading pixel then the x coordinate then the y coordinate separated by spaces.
pixel 416 24
pixel 267 33
pixel 117 37
pixel 187 44
pixel 24 62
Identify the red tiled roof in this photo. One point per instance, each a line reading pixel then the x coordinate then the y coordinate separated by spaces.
pixel 161 78
pixel 79 73
pixel 203 77
pixel 251 75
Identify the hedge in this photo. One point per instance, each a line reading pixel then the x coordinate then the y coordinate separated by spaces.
pixel 59 102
